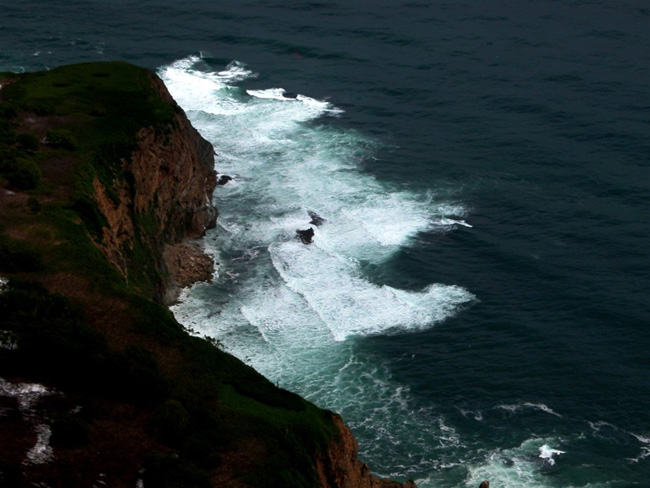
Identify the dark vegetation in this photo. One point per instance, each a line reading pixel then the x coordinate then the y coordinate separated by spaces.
pixel 79 327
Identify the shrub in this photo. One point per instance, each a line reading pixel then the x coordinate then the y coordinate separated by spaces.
pixel 41 108
pixel 95 221
pixel 34 205
pixel 170 420
pixel 22 173
pixel 28 143
pixel 61 138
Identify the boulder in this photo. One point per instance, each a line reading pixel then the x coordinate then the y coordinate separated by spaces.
pixel 223 179
pixel 306 236
pixel 315 219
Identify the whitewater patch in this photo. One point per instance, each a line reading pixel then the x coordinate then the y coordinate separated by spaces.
pixel 28 396
pixel 287 167
pixel 523 465
pixel 528 405
pixel 350 305
pixel 547 453
pixel 294 311
pixel 41 452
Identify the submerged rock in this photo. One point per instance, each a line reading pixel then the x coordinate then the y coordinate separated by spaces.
pixel 306 236
pixel 316 219
pixel 223 179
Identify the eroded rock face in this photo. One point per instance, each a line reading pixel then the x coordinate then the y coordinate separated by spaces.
pixel 165 195
pixel 340 468
pixel 187 264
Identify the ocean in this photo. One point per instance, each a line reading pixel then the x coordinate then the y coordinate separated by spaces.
pixel 475 301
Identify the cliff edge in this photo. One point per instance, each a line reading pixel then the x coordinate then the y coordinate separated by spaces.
pixel 104 188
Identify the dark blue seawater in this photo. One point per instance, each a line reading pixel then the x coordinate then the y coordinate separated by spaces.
pixel 476 304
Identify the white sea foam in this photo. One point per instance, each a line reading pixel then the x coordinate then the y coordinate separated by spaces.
pixel 598 425
pixel 645 448
pixel 513 408
pixel 41 452
pixel 475 414
pixel 645 452
pixel 348 304
pixel 546 453
pixel 290 169
pixel 516 467
pixel 290 309
pixel 27 394
pixel 280 94
pixel 641 438
pixel 273 93
pixel 447 221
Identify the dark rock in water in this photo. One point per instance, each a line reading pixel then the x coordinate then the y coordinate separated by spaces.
pixel 485 484
pixel 315 218
pixel 223 179
pixel 306 236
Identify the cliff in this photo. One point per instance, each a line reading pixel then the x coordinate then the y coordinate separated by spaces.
pixel 104 188
pixel 165 198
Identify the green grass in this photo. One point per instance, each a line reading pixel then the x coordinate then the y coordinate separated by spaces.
pixel 118 95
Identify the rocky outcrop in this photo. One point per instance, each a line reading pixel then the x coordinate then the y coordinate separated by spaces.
pixel 164 198
pixel 306 236
pixel 187 264
pixel 316 219
pixel 340 468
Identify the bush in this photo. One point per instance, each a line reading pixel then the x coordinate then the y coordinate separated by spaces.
pixel 89 212
pixel 34 205
pixel 41 108
pixel 170 420
pixel 28 143
pixel 61 138
pixel 22 173
pixel 26 175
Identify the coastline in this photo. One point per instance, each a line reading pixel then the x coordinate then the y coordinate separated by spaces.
pixel 108 234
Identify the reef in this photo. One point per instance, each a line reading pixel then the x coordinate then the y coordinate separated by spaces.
pixel 105 191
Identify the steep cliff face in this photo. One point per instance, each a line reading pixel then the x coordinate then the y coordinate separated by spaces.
pixel 120 187
pixel 164 199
